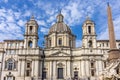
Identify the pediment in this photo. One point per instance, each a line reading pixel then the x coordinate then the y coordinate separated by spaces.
pixel 59 53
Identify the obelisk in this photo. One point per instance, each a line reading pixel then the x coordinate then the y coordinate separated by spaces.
pixel 114 53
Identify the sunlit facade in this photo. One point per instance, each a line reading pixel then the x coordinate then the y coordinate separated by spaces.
pixel 60 59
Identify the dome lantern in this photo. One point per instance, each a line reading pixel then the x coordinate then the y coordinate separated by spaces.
pixel 60 18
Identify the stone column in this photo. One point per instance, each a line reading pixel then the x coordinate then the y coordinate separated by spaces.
pixel 22 68
pixel 50 71
pixel 87 66
pixel 54 70
pixel 36 68
pixel 100 67
pixel 83 68
pixel 80 69
pixel 19 67
pixel 68 69
pixel 40 69
pixel 33 67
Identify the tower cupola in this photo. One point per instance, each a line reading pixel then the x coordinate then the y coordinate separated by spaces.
pixel 31 33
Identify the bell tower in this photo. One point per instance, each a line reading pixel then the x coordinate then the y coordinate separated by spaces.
pixel 89 35
pixel 31 34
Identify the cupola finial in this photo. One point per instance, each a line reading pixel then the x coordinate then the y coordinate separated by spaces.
pixel 32 17
pixel 60 17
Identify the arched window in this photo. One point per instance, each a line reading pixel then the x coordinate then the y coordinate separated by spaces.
pixel 31 27
pixel 60 41
pixel 89 29
pixel 90 43
pixel 10 64
pixel 30 44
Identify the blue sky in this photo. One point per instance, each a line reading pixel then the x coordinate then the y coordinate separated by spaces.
pixel 15 13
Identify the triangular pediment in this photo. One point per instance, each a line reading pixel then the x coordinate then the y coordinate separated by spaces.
pixel 59 53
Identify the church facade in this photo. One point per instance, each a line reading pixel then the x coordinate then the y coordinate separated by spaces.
pixel 60 59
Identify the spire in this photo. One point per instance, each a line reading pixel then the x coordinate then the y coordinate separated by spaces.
pixel 111 29
pixel 60 17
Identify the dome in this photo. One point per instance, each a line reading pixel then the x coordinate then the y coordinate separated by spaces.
pixel 59 26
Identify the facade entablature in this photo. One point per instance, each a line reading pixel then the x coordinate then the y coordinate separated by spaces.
pixel 104 44
pixel 14 44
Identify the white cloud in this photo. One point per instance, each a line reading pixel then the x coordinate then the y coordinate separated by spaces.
pixel 21 23
pixel 28 13
pixel 9 28
pixel 5 1
pixel 78 43
pixel 117 27
pixel 41 22
pixel 51 19
pixel 74 12
pixel 44 30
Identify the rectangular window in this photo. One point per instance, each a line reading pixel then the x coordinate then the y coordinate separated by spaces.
pixel 92 65
pixel 44 74
pixel 103 44
pixel 70 43
pixel 27 72
pixel 60 73
pixel 4 78
pixel 10 66
pixel 76 74
pixel 9 78
pixel 107 44
pixel 100 45
pixel 104 64
pixel 49 43
pixel 12 52
pixel 28 65
pixel 92 73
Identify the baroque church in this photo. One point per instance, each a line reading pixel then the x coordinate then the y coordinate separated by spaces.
pixel 60 59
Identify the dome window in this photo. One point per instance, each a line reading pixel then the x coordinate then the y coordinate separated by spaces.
pixel 50 43
pixel 60 41
pixel 70 43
